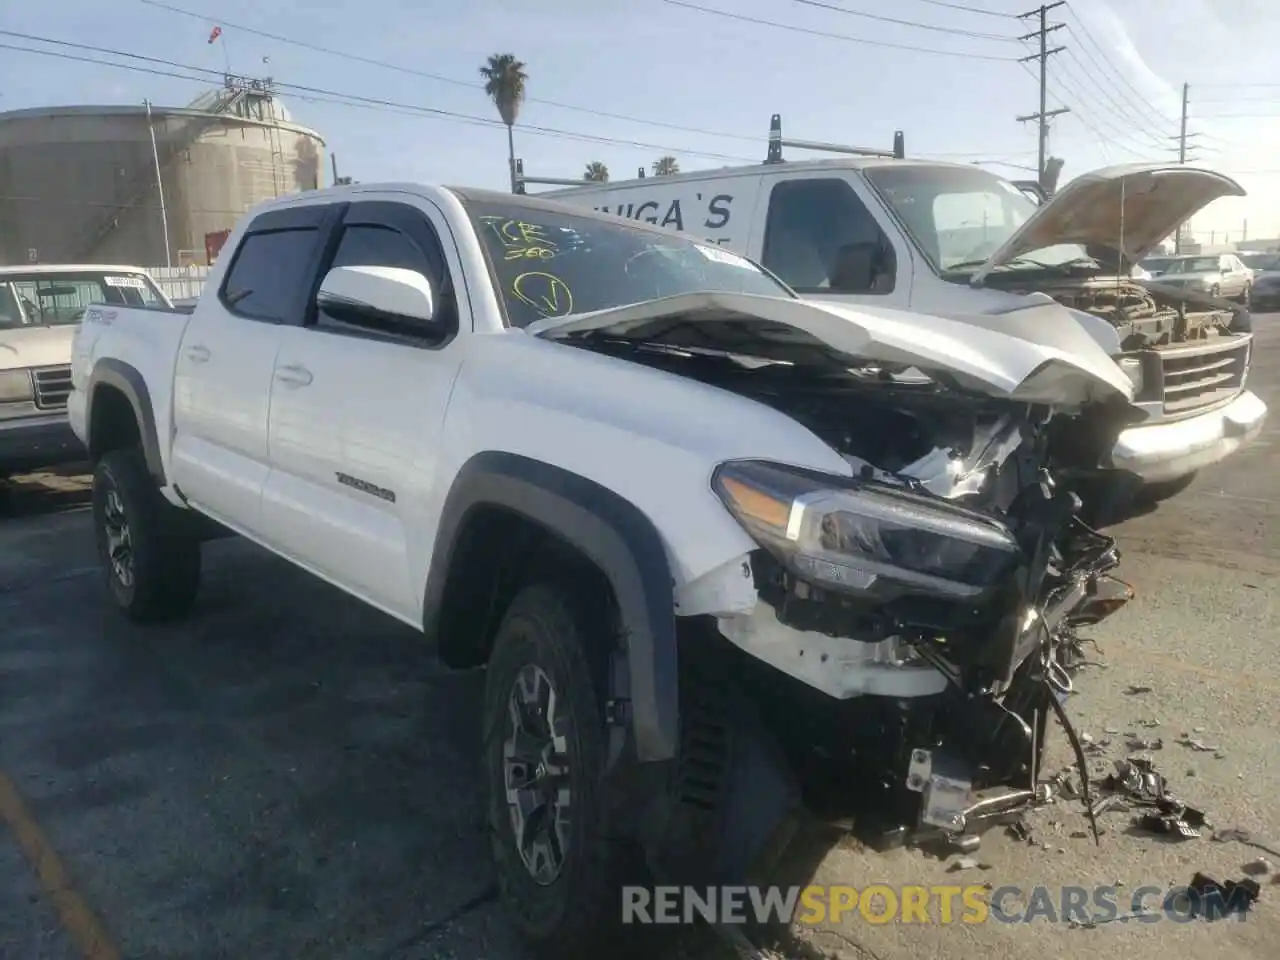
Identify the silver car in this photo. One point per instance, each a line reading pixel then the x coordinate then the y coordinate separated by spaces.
pixel 1219 275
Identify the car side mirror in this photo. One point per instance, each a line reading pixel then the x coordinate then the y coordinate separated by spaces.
pixel 390 299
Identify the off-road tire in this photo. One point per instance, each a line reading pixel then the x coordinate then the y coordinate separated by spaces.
pixel 555 628
pixel 164 556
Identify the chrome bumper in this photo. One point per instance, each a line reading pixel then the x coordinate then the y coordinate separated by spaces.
pixel 1166 451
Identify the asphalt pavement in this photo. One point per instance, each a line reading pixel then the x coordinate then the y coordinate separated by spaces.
pixel 291 775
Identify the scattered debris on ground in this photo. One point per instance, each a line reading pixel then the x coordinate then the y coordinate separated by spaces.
pixel 1214 900
pixel 1134 689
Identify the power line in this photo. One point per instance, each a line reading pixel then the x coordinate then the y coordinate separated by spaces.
pixel 340 98
pixel 968 9
pixel 1105 60
pixel 916 24
pixel 833 36
pixel 426 75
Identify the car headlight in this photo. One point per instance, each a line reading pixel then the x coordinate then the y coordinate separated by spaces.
pixel 15 385
pixel 1132 368
pixel 865 537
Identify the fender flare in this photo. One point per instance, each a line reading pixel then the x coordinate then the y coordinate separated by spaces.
pixel 120 376
pixel 615 535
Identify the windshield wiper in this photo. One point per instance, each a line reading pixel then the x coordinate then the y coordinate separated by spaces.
pixel 1027 262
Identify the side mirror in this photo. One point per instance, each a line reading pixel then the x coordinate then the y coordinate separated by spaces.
pixel 391 299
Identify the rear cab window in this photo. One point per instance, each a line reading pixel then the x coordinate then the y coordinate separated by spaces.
pixel 46 298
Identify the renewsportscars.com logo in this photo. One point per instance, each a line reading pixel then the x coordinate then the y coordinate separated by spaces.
pixel 941 904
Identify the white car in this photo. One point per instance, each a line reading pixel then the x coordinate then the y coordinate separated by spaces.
pixel 40 306
pixel 698 529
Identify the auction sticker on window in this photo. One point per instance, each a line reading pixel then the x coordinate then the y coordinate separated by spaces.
pixel 723 256
pixel 136 282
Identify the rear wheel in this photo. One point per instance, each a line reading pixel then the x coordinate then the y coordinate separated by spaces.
pixel 150 559
pixel 544 745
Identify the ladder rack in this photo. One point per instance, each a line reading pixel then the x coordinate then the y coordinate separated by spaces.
pixel 776 143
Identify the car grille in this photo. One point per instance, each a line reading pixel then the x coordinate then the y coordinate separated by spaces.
pixel 1200 376
pixel 53 384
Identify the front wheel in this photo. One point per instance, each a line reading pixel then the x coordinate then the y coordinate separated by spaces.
pixel 150 559
pixel 544 746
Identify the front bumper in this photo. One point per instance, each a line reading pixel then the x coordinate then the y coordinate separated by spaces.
pixel 1166 451
pixel 28 443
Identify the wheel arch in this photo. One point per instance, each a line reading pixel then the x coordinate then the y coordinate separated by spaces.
pixel 113 383
pixel 497 495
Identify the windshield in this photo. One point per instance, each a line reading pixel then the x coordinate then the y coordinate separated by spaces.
pixel 51 299
pixel 1261 261
pixel 1195 265
pixel 1156 264
pixel 552 264
pixel 959 217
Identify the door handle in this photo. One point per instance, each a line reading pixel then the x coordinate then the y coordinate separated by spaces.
pixel 198 354
pixel 294 375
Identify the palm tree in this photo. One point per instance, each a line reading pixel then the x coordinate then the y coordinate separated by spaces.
pixel 665 167
pixel 504 82
pixel 596 171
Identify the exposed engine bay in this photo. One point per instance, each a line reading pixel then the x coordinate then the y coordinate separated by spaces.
pixel 1144 315
pixel 916 623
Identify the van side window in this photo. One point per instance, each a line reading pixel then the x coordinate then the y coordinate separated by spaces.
pixel 820 238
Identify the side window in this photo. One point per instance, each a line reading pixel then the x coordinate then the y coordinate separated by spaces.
pixel 269 268
pixel 379 245
pixel 820 238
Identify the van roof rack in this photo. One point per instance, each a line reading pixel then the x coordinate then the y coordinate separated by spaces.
pixel 776 143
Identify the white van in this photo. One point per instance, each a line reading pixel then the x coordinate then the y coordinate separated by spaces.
pixel 879 229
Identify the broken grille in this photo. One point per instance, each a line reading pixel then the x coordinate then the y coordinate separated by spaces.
pixel 1200 376
pixel 53 384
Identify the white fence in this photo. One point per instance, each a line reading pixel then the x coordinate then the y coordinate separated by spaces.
pixel 180 283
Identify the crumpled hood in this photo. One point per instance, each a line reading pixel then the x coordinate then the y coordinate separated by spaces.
pixel 1062 367
pixel 35 346
pixel 1124 211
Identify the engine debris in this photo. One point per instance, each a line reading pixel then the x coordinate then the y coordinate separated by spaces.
pixel 1214 900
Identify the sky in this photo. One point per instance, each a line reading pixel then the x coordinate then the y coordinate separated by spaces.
pixel 627 82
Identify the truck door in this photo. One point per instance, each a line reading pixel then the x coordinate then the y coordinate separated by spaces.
pixel 818 232
pixel 222 377
pixel 355 413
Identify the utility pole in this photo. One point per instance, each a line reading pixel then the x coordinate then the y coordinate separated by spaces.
pixel 164 215
pixel 1182 157
pixel 1043 56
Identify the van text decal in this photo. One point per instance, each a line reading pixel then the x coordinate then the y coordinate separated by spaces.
pixel 715 216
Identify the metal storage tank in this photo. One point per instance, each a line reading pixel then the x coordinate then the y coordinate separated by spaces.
pixel 78 184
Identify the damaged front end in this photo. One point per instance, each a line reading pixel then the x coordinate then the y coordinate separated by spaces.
pixel 923 618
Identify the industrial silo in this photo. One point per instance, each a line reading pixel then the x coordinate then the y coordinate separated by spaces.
pixel 78 184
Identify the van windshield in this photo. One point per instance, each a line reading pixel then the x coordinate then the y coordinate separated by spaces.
pixel 959 217
pixel 546 263
pixel 42 298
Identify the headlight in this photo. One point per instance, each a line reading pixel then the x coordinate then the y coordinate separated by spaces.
pixel 15 385
pixel 1132 368
pixel 865 537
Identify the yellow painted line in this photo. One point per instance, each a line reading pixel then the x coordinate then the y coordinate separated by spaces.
pixel 77 919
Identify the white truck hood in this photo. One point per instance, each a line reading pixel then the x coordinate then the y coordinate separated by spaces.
pixel 1127 209
pixel 36 346
pixel 1063 367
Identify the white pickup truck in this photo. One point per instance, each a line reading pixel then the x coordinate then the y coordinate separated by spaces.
pixel 39 308
pixel 702 532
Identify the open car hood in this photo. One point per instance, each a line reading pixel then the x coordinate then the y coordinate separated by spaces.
pixel 1062 367
pixel 1117 212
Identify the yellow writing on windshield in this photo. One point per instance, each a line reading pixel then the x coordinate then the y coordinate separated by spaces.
pixel 545 292
pixel 521 240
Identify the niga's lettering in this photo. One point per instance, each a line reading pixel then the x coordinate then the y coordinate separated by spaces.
pixel 673 217
pixel 644 207
pixel 718 211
